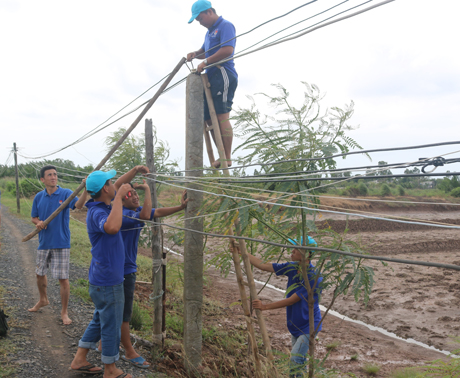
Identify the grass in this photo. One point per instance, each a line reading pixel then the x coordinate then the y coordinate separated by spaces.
pixel 80 289
pixel 333 345
pixel 406 373
pixel 371 369
pixel 354 357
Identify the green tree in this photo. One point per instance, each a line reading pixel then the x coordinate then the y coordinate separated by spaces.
pixel 297 140
pixel 132 152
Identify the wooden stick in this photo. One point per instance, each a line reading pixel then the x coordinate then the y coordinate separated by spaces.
pixel 114 148
pixel 215 124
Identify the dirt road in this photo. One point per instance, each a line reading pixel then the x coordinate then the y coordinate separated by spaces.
pixel 43 346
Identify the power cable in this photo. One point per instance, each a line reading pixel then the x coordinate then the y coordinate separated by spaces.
pixel 257 202
pixel 332 156
pixel 308 248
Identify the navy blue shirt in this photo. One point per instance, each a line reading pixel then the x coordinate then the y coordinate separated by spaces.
pixel 107 263
pixel 220 32
pixel 57 234
pixel 130 232
pixel 297 315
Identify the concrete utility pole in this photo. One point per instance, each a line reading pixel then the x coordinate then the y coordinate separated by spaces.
pixel 18 203
pixel 157 271
pixel 193 244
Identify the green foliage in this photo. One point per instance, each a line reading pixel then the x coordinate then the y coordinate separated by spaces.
pixel 137 320
pixel 455 192
pixel 80 288
pixel 385 190
pixel 333 345
pixel 363 191
pixel 401 190
pixel 132 152
pixel 371 369
pixel 302 132
pixel 354 357
pixel 27 187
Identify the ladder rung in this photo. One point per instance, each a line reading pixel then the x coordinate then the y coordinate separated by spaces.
pixel 209 128
pixel 245 283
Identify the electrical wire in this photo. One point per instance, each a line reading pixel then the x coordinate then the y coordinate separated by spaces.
pixel 257 202
pixel 308 248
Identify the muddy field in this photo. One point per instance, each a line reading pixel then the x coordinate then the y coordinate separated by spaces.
pixel 413 302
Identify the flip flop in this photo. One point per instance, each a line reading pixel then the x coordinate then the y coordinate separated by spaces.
pixel 122 375
pixel 138 362
pixel 86 369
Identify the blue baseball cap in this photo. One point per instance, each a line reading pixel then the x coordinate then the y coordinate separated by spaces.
pixel 97 179
pixel 311 241
pixel 198 7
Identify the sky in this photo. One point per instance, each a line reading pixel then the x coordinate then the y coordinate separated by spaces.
pixel 68 66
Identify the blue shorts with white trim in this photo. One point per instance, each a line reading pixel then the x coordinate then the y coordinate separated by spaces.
pixel 223 87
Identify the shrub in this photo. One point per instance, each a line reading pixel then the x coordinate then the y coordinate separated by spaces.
pixel 353 191
pixel 401 190
pixel 385 191
pixel 363 191
pixel 136 318
pixel 27 187
pixel 455 192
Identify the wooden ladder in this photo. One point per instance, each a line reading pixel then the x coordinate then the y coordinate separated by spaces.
pixel 241 245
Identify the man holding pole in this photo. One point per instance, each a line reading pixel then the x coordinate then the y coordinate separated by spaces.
pixel 219 43
pixel 130 232
pixel 54 240
pixel 296 303
pixel 103 222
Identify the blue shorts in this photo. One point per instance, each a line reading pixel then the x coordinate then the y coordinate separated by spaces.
pixel 223 87
pixel 129 285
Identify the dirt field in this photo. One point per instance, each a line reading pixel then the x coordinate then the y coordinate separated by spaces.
pixel 410 301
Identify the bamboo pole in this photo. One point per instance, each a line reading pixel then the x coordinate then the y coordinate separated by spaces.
pixel 157 271
pixel 243 251
pixel 111 152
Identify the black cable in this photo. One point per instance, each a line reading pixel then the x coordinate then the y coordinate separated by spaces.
pixel 329 157
pixel 262 24
pixel 308 248
pixel 359 177
pixel 280 31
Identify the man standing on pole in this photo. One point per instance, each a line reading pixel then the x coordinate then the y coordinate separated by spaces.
pixel 219 43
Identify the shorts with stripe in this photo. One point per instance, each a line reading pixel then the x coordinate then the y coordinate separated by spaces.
pixel 223 87
pixel 57 260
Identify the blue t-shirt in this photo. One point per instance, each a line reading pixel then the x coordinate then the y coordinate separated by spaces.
pixel 57 234
pixel 107 263
pixel 220 32
pixel 130 232
pixel 297 315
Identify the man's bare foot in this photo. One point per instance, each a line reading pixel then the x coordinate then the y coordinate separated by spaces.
pixel 65 319
pixel 38 306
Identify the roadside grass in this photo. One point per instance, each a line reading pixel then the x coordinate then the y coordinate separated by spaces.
pixel 80 288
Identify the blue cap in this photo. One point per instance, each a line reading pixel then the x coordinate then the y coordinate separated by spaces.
pixel 198 7
pixel 311 241
pixel 97 179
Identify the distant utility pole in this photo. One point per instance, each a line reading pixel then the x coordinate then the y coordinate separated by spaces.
pixel 18 203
